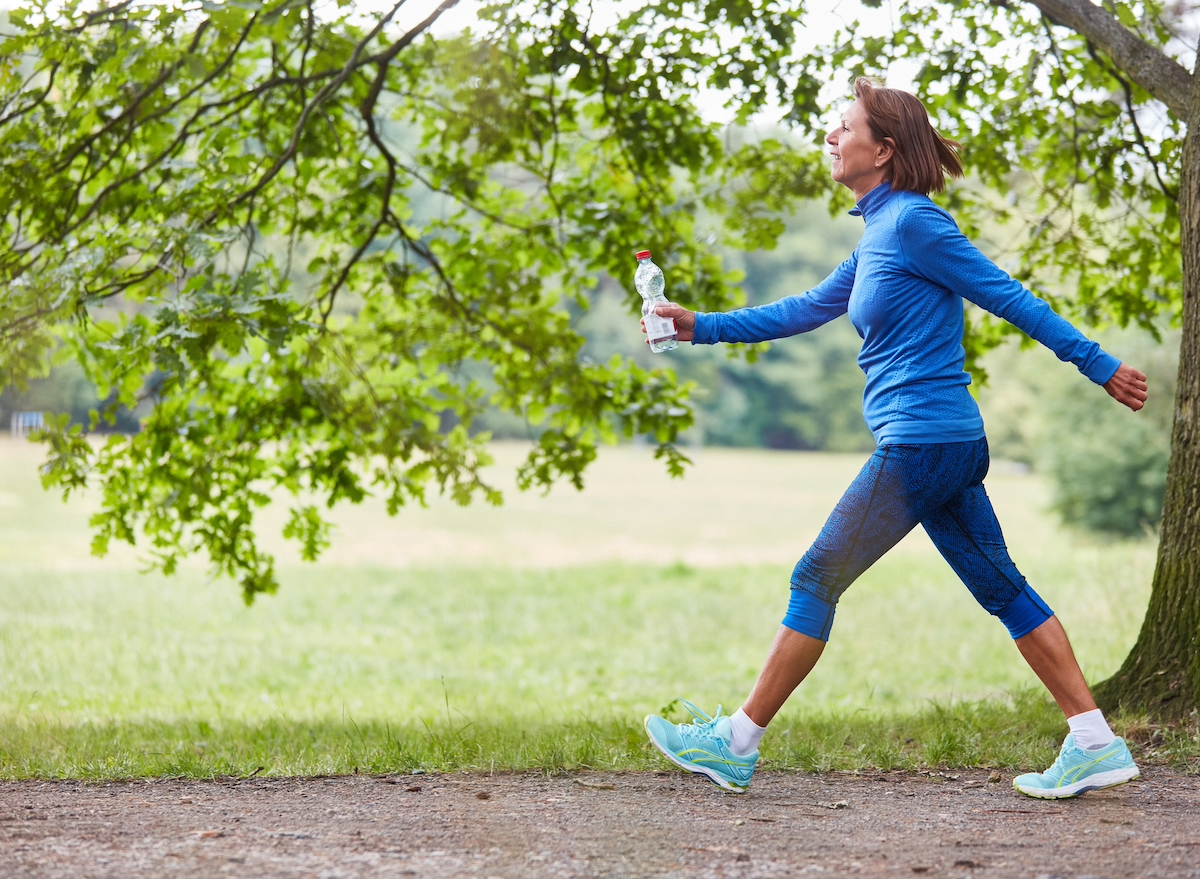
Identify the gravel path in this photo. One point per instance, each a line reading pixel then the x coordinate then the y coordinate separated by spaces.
pixel 597 824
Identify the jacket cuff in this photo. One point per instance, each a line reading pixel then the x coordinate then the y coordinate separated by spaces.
pixel 1103 368
pixel 707 331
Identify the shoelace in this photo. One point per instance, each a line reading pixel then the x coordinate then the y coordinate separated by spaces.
pixel 1058 761
pixel 1058 767
pixel 703 725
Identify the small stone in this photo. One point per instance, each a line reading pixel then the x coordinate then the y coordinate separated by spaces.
pixel 417 772
pixel 739 822
pixel 208 834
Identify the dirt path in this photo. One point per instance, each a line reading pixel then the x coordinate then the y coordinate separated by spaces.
pixel 597 824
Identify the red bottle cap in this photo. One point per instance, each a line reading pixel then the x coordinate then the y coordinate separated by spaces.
pixel 643 254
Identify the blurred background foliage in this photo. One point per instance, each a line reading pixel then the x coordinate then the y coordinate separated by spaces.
pixel 355 299
pixel 65 389
pixel 1107 467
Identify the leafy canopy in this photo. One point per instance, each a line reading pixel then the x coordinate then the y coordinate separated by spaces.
pixel 315 247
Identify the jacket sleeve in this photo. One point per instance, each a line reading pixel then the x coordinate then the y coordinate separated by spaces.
pixel 937 250
pixel 786 317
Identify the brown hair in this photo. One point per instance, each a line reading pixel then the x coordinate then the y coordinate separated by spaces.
pixel 922 157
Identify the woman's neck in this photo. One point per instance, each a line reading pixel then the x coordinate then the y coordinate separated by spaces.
pixel 867 184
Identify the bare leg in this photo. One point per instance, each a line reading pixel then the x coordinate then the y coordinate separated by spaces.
pixel 791 658
pixel 1049 654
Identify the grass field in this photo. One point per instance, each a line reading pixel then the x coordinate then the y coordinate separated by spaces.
pixel 532 636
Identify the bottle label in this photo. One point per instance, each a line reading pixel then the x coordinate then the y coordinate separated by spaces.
pixel 658 327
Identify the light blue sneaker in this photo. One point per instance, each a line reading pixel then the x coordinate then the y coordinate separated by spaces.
pixel 703 747
pixel 1076 771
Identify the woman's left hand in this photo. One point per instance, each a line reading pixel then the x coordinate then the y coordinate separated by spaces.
pixel 685 321
pixel 1128 386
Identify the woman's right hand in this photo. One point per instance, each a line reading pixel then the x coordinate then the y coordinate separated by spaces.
pixel 1128 386
pixel 685 321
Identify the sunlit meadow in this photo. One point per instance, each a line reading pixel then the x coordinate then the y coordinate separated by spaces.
pixel 535 635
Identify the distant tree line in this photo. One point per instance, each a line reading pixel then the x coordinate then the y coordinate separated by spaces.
pixel 1108 472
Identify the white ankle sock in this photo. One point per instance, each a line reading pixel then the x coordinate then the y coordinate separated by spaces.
pixel 746 734
pixel 1090 730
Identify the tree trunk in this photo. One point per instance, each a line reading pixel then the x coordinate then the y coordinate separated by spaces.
pixel 1161 675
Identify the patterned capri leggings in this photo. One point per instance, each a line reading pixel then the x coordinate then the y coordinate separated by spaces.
pixel 939 485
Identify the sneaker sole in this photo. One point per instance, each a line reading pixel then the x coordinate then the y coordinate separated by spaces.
pixel 694 768
pixel 1099 781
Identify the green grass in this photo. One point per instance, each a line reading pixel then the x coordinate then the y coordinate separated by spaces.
pixel 408 649
pixel 1012 734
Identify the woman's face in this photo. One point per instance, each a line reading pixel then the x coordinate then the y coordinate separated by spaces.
pixel 859 161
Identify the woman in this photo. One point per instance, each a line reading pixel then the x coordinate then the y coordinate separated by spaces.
pixel 903 289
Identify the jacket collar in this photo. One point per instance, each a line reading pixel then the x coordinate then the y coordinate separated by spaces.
pixel 872 201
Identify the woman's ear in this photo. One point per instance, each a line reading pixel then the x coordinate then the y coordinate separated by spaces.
pixel 885 150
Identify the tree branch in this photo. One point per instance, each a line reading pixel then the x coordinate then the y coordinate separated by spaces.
pixel 36 102
pixel 367 110
pixel 130 111
pixel 1148 66
pixel 355 62
pixel 1127 88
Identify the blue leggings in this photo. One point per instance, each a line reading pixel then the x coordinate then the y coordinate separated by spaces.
pixel 939 485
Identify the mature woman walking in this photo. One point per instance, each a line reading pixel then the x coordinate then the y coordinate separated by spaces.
pixel 903 288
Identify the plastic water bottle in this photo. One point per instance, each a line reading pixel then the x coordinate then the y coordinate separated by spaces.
pixel 650 283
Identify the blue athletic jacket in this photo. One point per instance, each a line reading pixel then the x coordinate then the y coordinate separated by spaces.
pixel 903 288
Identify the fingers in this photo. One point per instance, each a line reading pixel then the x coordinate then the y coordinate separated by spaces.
pixel 1135 387
pixel 684 320
pixel 1136 380
pixel 1129 387
pixel 1133 401
pixel 671 311
pixel 1133 396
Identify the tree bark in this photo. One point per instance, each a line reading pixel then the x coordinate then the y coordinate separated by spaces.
pixel 1161 675
pixel 1159 74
